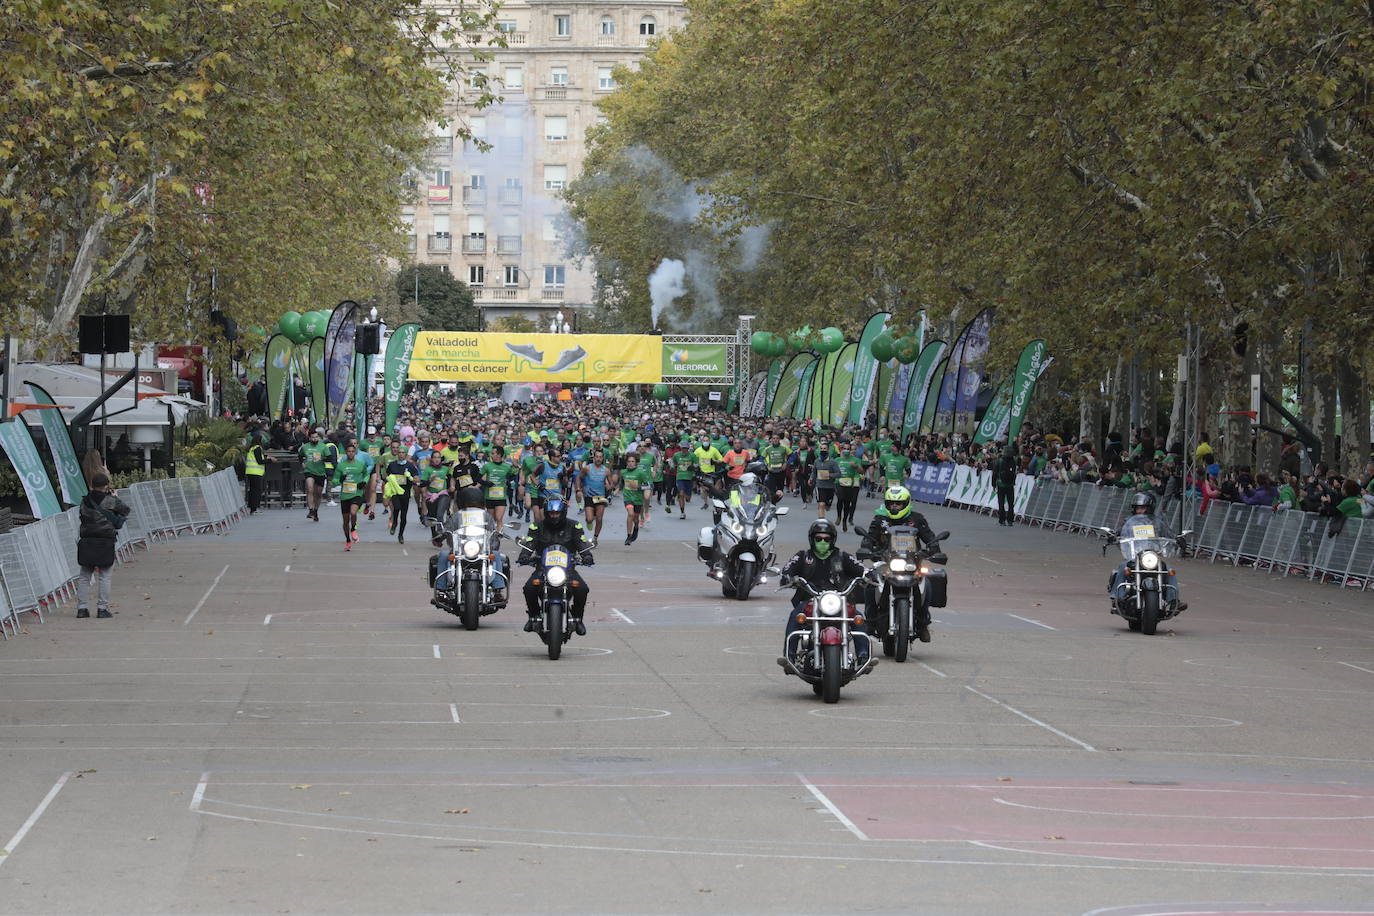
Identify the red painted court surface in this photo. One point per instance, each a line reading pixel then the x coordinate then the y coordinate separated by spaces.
pixel 1219 824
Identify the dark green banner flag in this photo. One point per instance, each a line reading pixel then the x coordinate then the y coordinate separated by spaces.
pixel 399 346
pixel 923 372
pixel 18 444
pixel 996 416
pixel 277 368
pixel 1028 369
pixel 864 371
pixel 785 398
pixel 60 446
pixel 317 398
pixel 930 412
pixel 808 380
pixel 774 378
pixel 842 384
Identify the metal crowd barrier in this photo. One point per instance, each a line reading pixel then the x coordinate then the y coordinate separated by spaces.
pixel 38 568
pixel 1287 542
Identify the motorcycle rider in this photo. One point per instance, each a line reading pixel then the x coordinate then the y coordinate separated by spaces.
pixel 824 566
pixel 1141 518
pixel 468 499
pixel 555 530
pixel 895 511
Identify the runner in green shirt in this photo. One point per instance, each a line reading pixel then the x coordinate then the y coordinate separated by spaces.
pixel 896 467
pixel 351 476
pixel 851 475
pixel 434 490
pixel 312 457
pixel 708 456
pixel 530 464
pixel 497 473
pixel 685 468
pixel 635 481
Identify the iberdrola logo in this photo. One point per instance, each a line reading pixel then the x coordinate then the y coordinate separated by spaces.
pixel 678 356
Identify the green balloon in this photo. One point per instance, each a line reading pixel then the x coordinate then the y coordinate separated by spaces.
pixel 831 340
pixel 660 392
pixel 800 339
pixel 312 325
pixel 758 342
pixel 776 345
pixel 906 349
pixel 882 347
pixel 290 325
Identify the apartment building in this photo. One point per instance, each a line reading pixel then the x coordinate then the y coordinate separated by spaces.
pixel 492 216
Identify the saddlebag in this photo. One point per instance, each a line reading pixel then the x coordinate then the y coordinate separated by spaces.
pixel 706 545
pixel 433 570
pixel 937 586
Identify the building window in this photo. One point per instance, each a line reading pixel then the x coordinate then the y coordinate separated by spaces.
pixel 604 80
pixel 441 226
pixel 477 78
pixel 505 25
pixel 513 183
pixel 442 177
pixel 558 76
pixel 444 268
pixel 478 126
pixel 562 26
pixel 514 78
pixel 477 180
pixel 607 25
pixel 550 229
pixel 553 275
pixel 555 177
pixel 647 26
pixel 511 275
pixel 477 274
pixel 477 226
pixel 555 127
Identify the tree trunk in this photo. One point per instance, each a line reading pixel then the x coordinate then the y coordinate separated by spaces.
pixel 1354 395
pixel 1090 417
pixel 1148 388
pixel 1319 407
pixel 1117 390
pixel 1176 412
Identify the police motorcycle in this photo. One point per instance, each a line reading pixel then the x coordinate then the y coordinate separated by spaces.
pixel 913 584
pixel 556 579
pixel 1145 590
pixel 469 576
pixel 822 652
pixel 739 549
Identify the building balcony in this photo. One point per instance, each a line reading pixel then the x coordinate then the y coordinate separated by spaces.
pixel 605 41
pixel 510 196
pixel 475 197
pixel 553 94
pixel 474 244
pixel 441 150
pixel 508 244
pixel 440 243
pixel 553 292
pixel 516 39
pixel 496 293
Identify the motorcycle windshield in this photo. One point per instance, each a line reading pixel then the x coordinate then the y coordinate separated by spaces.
pixel 1134 547
pixel 472 518
pixel 751 505
pixel 556 556
pixel 901 540
pixel 475 532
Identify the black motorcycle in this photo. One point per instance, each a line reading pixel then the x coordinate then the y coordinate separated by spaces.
pixel 468 577
pixel 822 651
pixel 913 586
pixel 1145 595
pixel 557 568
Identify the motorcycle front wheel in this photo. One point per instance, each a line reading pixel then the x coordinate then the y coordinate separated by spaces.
pixel 554 615
pixel 472 603
pixel 1149 613
pixel 831 660
pixel 744 582
pixel 902 608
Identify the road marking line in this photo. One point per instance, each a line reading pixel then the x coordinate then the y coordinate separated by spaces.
pixel 436 651
pixel 830 806
pixel 1028 620
pixel 1029 718
pixel 286 568
pixel 404 551
pixel 200 791
pixel 621 614
pixel 266 620
pixel 33 818
pixel 1357 667
pixel 453 708
pixel 205 597
pixel 932 670
pixel 991 560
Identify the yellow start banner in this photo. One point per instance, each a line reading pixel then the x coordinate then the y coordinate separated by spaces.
pixel 569 359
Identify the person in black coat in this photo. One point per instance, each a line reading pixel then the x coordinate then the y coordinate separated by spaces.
pixel 102 515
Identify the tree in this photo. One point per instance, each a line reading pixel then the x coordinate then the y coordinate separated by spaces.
pixel 513 324
pixel 165 158
pixel 446 304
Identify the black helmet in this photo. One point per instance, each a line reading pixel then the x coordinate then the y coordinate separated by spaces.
pixel 821 526
pixel 470 498
pixel 1143 499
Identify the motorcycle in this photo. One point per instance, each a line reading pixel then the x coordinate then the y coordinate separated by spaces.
pixel 474 571
pixel 1145 595
pixel 556 569
pixel 912 583
pixel 824 654
pixel 739 549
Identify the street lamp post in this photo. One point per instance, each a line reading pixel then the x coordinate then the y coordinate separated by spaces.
pixel 559 324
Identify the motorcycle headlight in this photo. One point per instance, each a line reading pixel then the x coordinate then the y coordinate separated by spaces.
pixel 831 604
pixel 557 575
pixel 471 549
pixel 1149 560
pixel 736 527
pixel 898 565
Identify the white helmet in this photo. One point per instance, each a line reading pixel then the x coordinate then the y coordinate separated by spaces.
pixel 747 480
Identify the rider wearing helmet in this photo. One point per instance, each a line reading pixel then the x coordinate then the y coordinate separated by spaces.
pixel 823 565
pixel 555 530
pixel 896 511
pixel 1142 522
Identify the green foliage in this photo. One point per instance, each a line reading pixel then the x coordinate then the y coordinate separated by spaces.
pixel 146 148
pixel 215 444
pixel 446 303
pixel 121 479
pixel 513 324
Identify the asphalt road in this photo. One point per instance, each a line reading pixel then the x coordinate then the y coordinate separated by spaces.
pixel 273 725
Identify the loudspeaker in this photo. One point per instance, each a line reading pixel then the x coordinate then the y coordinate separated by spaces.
pixel 367 340
pixel 103 334
pixel 227 324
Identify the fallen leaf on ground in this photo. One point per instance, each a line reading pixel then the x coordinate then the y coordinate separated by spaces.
pixel 304 785
pixel 79 772
pixel 456 811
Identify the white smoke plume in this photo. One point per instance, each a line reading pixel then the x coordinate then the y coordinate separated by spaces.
pixel 665 285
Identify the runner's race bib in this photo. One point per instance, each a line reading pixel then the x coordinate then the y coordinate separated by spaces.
pixel 465 481
pixel 848 482
pixel 822 475
pixel 632 484
pixel 350 487
pixel 1142 531
pixel 496 493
